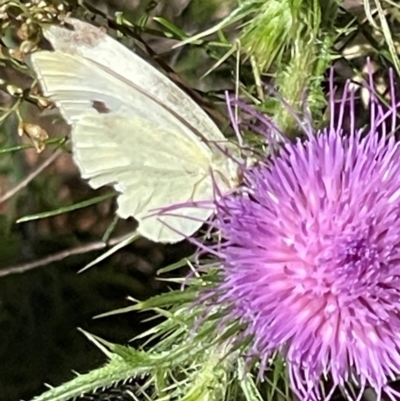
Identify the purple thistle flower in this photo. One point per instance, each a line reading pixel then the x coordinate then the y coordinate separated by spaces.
pixel 311 254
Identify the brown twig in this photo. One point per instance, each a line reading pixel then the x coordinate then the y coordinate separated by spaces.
pixel 30 177
pixel 94 246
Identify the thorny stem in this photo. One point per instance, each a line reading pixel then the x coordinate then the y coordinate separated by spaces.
pixel 93 246
pixel 30 177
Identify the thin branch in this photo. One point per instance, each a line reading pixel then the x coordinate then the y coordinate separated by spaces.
pixel 30 177
pixel 94 246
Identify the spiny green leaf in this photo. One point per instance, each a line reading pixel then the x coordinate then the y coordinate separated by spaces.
pixel 111 251
pixel 179 33
pixel 388 36
pixel 24 146
pixel 116 370
pixel 66 209
pixel 173 266
pixel 245 8
pixel 247 384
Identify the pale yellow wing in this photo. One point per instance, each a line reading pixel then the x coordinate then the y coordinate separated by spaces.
pixel 79 87
pixel 152 167
pixel 139 133
pixel 92 43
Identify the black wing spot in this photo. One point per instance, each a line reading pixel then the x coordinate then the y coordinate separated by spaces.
pixel 100 107
pixel 68 26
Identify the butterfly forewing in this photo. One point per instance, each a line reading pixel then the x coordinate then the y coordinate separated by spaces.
pixel 93 44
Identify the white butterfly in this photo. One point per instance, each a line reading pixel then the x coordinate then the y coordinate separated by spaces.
pixel 133 128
